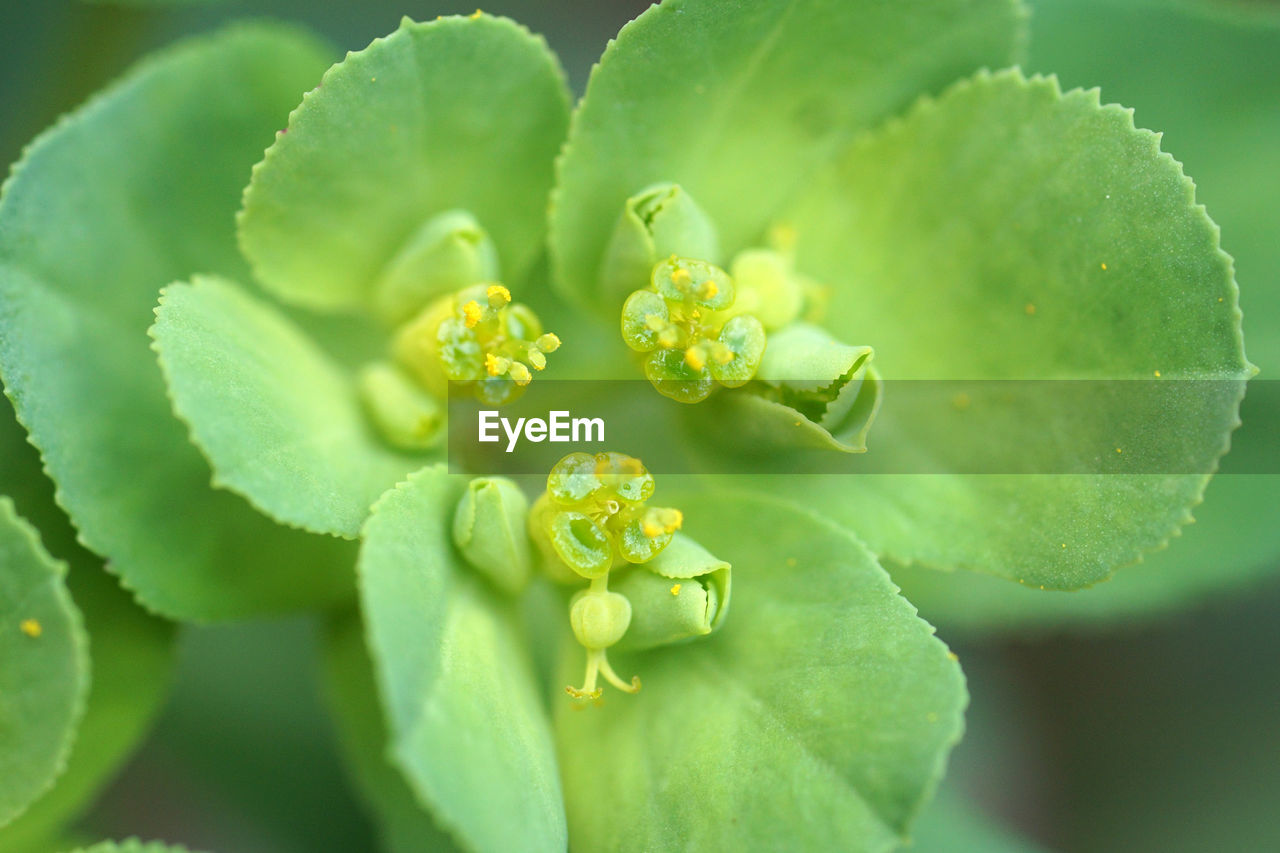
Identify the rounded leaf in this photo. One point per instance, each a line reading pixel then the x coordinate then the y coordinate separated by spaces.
pixel 817 633
pixel 44 666
pixel 455 114
pixel 738 103
pixel 78 285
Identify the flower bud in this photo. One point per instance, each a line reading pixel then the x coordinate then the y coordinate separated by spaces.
pixel 768 287
pixel 811 391
pixel 448 252
pixel 489 529
pixel 680 594
pixel 657 222
pixel 812 370
pixel 599 619
pixel 404 415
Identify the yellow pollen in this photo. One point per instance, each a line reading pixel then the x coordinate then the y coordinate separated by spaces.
pixel 550 342
pixel 32 627
pixel 681 277
pixel 493 365
pixel 1157 374
pixel 476 14
pixel 675 590
pixel 1118 450
pixel 1030 309
pixel 471 313
pixel 498 295
pixel 953 657
pixel 653 531
pixel 1104 267
pixel 710 290
pixel 676 522
pixel 695 358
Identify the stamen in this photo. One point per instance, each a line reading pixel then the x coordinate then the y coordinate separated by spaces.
pixel 496 365
pixel 520 373
pixel 472 312
pixel 498 296
pixel 695 357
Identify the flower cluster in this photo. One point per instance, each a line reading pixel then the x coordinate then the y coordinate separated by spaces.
pixel 478 339
pixel 593 522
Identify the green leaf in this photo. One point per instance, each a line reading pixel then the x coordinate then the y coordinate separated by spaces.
pixel 406 825
pixel 1008 231
pixel 739 105
pixel 130 655
pixel 453 114
pixel 131 845
pixel 280 421
pixel 127 194
pixel 467 723
pixel 819 716
pixel 1234 542
pixel 1199 83
pixel 132 660
pixel 44 665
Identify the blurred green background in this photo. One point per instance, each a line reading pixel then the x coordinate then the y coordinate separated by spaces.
pixel 1153 734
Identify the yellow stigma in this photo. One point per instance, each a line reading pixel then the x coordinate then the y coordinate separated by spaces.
pixel 471 313
pixel 675 590
pixel 498 296
pixel 32 627
pixel 695 357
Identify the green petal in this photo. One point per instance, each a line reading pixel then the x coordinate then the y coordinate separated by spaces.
pixel 738 104
pixel 44 666
pixel 817 634
pixel 129 193
pixel 280 421
pixel 1079 253
pixel 456 114
pixel 467 724
pixel 406 826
